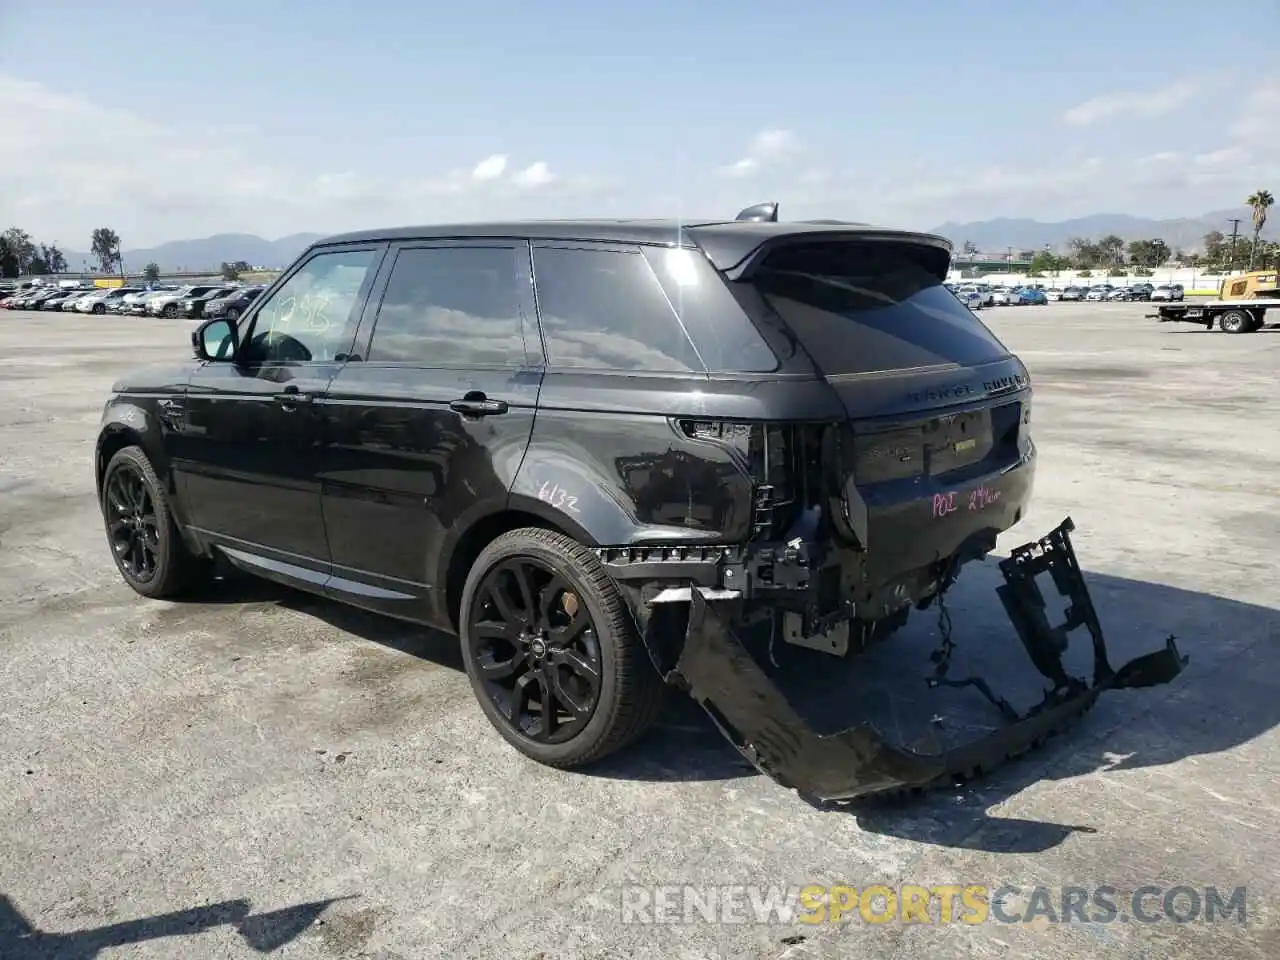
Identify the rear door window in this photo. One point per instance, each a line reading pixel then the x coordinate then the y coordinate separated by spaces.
pixel 602 308
pixel 871 307
pixel 451 307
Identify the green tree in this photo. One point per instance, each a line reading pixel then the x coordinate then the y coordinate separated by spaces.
pixel 1085 254
pixel 1111 249
pixel 1148 253
pixel 151 271
pixel 105 247
pixel 1261 201
pixel 229 272
pixel 1215 248
pixel 53 258
pixel 1045 261
pixel 21 248
pixel 8 259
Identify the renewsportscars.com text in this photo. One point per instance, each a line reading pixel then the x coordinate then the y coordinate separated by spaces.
pixel 933 904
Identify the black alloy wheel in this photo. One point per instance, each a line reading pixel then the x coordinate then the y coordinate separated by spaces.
pixel 552 650
pixel 133 524
pixel 536 650
pixel 145 544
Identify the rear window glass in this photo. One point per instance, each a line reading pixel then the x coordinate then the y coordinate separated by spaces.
pixel 606 310
pixel 866 307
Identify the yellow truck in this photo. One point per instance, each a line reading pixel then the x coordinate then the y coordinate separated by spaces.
pixel 1241 305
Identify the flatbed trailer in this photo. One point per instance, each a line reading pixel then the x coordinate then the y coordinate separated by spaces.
pixel 1232 316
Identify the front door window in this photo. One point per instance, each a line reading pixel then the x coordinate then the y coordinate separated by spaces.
pixel 312 317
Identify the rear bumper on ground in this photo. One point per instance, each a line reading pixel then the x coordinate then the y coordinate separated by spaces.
pixel 720 674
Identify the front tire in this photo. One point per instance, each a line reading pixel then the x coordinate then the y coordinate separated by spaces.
pixel 170 310
pixel 144 539
pixel 552 651
pixel 99 308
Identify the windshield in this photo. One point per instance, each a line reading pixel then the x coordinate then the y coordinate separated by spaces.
pixel 864 307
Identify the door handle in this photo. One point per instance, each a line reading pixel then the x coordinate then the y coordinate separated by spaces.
pixel 478 405
pixel 291 397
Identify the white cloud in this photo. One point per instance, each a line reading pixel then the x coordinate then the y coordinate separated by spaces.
pixel 1155 175
pixel 490 168
pixel 534 175
pixel 1135 103
pixel 767 148
pixel 742 167
pixel 69 164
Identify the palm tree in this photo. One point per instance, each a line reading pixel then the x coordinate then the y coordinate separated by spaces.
pixel 1259 201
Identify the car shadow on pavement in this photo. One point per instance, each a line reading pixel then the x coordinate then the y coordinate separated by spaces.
pixel 262 932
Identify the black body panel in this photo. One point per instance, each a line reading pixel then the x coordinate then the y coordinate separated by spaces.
pixel 371 464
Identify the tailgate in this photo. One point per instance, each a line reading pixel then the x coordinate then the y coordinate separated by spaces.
pixel 936 447
pixel 916 490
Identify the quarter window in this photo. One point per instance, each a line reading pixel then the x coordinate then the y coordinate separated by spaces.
pixel 451 307
pixel 605 310
pixel 312 317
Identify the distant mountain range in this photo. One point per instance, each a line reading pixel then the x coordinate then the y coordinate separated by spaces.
pixel 990 236
pixel 209 253
pixel 1185 233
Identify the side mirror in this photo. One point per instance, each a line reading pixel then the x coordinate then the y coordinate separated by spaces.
pixel 214 340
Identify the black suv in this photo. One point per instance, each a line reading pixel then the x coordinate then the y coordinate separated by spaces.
pixel 543 436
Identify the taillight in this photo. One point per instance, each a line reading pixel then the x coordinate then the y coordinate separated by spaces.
pixel 774 456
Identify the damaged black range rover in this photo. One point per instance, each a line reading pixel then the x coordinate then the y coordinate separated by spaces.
pixel 595 451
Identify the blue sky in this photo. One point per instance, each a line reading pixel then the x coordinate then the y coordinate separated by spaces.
pixel 184 119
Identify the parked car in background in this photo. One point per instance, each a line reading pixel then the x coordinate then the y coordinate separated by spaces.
pixel 1031 295
pixel 970 298
pixel 193 307
pixel 59 301
pixel 1099 292
pixel 126 303
pixel 1053 294
pixel 37 300
pixel 1119 293
pixel 170 305
pixel 1168 291
pixel 1074 293
pixel 1000 297
pixel 99 301
pixel 232 304
pixel 138 306
pixel 1140 291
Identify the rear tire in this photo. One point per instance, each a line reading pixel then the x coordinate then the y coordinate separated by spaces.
pixel 99 308
pixel 1236 321
pixel 170 310
pixel 145 543
pixel 546 640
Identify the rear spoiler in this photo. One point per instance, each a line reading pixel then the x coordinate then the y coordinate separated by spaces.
pixel 737 248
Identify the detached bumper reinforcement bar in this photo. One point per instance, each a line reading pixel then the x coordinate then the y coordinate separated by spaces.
pixel 719 672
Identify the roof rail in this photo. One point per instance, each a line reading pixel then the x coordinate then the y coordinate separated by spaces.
pixel 761 212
